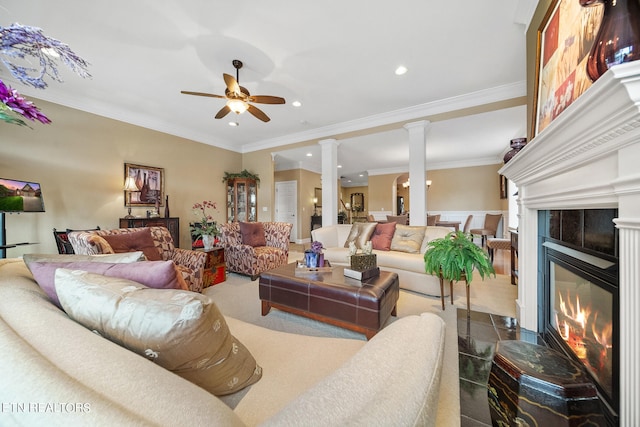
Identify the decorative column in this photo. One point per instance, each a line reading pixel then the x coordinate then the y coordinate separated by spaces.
pixel 329 149
pixel 417 171
pixel 629 235
pixel 527 302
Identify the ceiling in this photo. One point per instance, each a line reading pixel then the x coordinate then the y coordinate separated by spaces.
pixel 466 73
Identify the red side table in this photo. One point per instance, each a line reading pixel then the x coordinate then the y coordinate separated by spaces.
pixel 214 269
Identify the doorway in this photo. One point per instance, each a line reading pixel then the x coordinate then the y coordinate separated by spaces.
pixel 287 205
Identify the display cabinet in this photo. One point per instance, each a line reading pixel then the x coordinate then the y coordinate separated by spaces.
pixel 242 200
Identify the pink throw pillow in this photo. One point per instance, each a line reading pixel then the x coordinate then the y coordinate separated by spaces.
pixel 253 234
pixel 153 274
pixel 382 236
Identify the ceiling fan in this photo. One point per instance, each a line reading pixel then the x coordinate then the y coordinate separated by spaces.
pixel 238 98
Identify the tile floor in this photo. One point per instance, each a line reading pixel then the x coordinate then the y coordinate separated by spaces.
pixel 477 338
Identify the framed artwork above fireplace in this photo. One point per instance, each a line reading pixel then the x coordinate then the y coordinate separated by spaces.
pixel 564 41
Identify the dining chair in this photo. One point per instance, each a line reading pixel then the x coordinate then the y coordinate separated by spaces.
pixel 467 224
pixel 432 219
pixel 490 227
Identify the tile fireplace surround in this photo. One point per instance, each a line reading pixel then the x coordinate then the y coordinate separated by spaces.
pixel 587 158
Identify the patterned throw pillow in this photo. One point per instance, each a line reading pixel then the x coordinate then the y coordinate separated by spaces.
pixel 408 238
pixel 253 234
pixel 181 331
pixel 382 236
pixel 360 233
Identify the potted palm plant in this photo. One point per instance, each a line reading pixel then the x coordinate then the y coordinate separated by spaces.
pixel 454 257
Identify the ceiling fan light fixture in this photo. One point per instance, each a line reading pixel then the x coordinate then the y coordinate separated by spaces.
pixel 238 106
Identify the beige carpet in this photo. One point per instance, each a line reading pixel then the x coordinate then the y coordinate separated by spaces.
pixel 238 297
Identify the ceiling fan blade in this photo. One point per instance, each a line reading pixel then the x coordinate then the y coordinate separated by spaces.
pixel 266 99
pixel 186 92
pixel 232 83
pixel 223 112
pixel 258 113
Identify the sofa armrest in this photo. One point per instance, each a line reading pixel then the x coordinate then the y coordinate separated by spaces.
pixel 192 263
pixel 399 368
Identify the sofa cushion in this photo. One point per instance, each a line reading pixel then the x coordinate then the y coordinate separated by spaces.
pixel 181 331
pixel 253 234
pixel 407 238
pixel 154 274
pixel 382 236
pixel 114 258
pixel 134 241
pixel 360 234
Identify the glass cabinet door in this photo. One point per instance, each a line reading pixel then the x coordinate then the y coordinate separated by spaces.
pixel 241 213
pixel 231 203
pixel 253 202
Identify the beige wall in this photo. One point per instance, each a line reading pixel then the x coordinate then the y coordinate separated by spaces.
pixel 381 193
pixel 79 161
pixel 462 189
pixel 459 189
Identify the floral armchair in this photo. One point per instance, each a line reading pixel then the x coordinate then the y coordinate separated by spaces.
pixel 189 263
pixel 256 257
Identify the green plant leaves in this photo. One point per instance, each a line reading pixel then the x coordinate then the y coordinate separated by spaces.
pixel 454 255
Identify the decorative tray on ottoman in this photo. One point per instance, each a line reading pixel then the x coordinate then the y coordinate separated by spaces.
pixel 302 269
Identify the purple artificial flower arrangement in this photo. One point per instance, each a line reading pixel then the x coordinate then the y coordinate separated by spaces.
pixel 316 247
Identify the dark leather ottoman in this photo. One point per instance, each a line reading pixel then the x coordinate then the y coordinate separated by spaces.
pixel 330 297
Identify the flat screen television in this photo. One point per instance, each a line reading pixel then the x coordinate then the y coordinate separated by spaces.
pixel 20 196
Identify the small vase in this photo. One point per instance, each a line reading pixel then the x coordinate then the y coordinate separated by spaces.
pixel 320 260
pixel 516 145
pixel 311 259
pixel 207 241
pixel 166 207
pixel 618 38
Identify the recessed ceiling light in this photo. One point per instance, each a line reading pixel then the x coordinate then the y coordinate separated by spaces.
pixel 361 174
pixel 309 154
pixel 296 103
pixel 401 70
pixel 234 124
pixel 339 166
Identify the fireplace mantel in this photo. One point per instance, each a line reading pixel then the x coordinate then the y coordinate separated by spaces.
pixel 588 157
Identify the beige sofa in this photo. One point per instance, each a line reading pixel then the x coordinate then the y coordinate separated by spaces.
pixel 56 372
pixel 409 266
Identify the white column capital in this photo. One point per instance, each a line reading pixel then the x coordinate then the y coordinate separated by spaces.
pixel 424 124
pixel 329 141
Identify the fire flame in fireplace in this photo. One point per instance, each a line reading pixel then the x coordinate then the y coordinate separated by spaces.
pixel 578 327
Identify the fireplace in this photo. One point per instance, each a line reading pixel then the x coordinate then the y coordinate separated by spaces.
pixel 579 294
pixel 587 158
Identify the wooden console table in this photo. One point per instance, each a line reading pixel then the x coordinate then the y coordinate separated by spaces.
pixel 172 224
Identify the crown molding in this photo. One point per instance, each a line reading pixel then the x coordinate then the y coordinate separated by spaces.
pixel 400 117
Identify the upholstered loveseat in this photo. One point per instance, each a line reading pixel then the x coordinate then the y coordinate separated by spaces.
pixel 409 266
pixel 251 248
pixel 190 263
pixel 57 372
